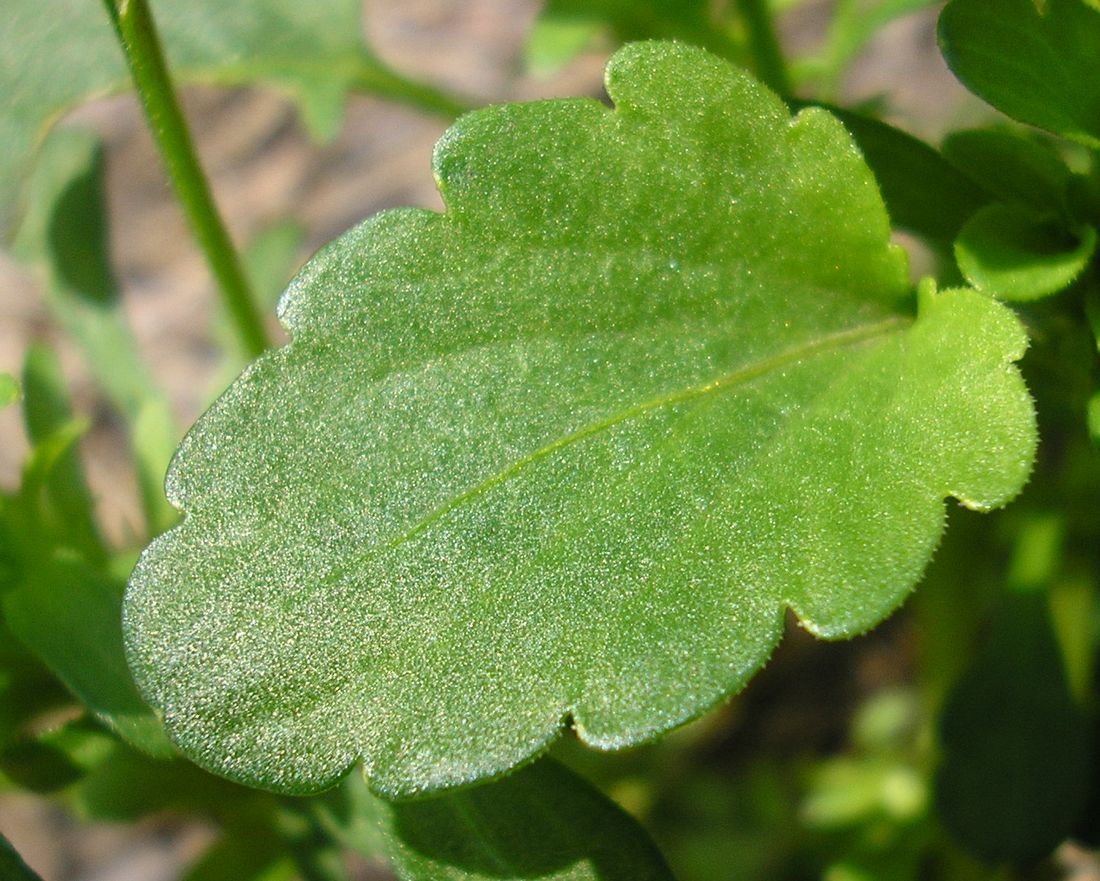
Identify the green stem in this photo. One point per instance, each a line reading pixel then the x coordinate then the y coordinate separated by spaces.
pixel 374 78
pixel 137 34
pixel 764 45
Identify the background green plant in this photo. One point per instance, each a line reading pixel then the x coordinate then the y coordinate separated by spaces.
pixel 980 765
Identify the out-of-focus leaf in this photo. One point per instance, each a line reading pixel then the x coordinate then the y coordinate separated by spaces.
pixel 1016 749
pixel 1013 254
pixel 1034 61
pixel 851 791
pixel 12 867
pixel 1073 614
pixel 1083 195
pixel 55 54
pixel 68 613
pixel 1092 310
pixel 246 853
pixel 65 234
pixel 271 258
pixel 58 598
pixel 37 767
pixel 9 389
pixel 48 419
pixel 315 854
pixel 557 37
pixel 127 785
pixel 852 25
pixel 924 193
pixel 1011 167
pixel 57 595
pixel 56 758
pixel 740 824
pixel 1038 551
pixel 868 808
pixel 1092 313
pixel 569 450
pixel 692 21
pixel 886 721
pixel 26 687
pixel 349 814
pixel 153 437
pixel 541 822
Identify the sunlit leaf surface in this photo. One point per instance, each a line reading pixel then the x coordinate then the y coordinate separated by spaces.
pixel 566 452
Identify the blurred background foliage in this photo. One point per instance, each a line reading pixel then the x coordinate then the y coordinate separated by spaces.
pixel 957 741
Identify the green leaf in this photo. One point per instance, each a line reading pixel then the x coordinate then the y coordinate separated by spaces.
pixel 567 452
pixel 1016 767
pixel 1083 195
pixel 692 21
pixel 1016 255
pixel 37 767
pixel 1035 62
pixel 542 822
pixel 66 233
pixel 26 687
pixel 1092 311
pixel 9 390
pixel 857 791
pixel 271 258
pixel 1011 168
pixel 852 25
pixel 56 758
pixel 153 435
pixel 68 614
pixel 66 222
pixel 55 54
pixel 12 867
pixel 65 505
pixel 317 856
pixel 924 193
pixel 57 595
pixel 126 785
pixel 556 38
pixel 252 853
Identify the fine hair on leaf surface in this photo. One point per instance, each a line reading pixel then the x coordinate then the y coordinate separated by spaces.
pixel 571 448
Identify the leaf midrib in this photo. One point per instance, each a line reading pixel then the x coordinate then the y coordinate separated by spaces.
pixel 740 376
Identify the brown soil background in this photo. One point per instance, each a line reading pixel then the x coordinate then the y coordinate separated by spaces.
pixel 263 167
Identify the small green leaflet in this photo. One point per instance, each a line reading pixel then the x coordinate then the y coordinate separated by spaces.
pixel 1034 61
pixel 1013 168
pixel 565 453
pixel 1014 254
pixel 1028 244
